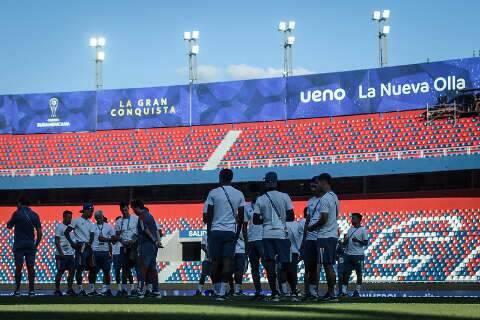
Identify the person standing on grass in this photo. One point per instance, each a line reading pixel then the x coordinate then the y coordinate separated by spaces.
pixel 224 215
pixel 254 245
pixel 126 228
pixel 104 235
pixel 273 210
pixel 355 240
pixel 206 265
pixel 295 234
pixel 309 248
pixel 148 245
pixel 25 223
pixel 65 255
pixel 327 236
pixel 81 241
pixel 240 261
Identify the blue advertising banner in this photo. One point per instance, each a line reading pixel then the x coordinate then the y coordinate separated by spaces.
pixel 143 108
pixel 379 90
pixel 238 101
pixel 5 114
pixel 186 234
pixel 53 112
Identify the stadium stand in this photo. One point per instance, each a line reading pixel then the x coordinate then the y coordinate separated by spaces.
pixel 411 240
pixel 370 137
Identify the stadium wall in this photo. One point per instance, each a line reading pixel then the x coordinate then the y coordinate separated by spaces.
pixel 353 169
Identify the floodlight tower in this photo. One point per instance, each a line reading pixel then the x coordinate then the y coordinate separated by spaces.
pixel 383 31
pixel 98 43
pixel 288 41
pixel 193 48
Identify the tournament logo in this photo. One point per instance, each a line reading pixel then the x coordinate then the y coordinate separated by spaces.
pixel 53 104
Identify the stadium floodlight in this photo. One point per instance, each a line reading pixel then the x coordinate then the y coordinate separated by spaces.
pixel 101 42
pixel 98 43
pixel 291 25
pixel 383 31
pixel 288 41
pixel 101 55
pixel 93 42
pixel 386 14
pixel 187 35
pixel 195 34
pixel 195 49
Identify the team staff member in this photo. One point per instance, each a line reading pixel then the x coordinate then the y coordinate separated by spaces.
pixel 148 243
pixel 64 256
pixel 224 216
pixel 126 229
pixel 206 265
pixel 356 240
pixel 116 264
pixel 25 222
pixel 240 261
pixel 104 235
pixel 327 236
pixel 81 241
pixel 274 209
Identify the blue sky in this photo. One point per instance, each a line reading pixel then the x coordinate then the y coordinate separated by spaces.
pixel 45 42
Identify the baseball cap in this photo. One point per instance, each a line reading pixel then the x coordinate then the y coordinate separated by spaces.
pixel 87 206
pixel 271 177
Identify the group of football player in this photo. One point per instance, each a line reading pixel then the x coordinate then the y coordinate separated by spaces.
pixel 265 232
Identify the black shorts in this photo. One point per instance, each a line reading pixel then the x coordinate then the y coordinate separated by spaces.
pixel 353 262
pixel 65 262
pixel 27 255
pixel 327 248
pixel 310 251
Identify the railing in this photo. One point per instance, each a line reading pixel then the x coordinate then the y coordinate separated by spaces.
pixel 255 163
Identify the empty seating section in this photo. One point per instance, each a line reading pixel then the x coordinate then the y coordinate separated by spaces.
pixel 351 138
pixel 420 245
pixel 346 136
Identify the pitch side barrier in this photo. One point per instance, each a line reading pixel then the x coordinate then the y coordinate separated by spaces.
pixel 365 91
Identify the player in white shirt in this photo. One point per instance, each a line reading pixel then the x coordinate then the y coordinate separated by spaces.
pixel 240 261
pixel 309 248
pixel 116 263
pixel 295 234
pixel 356 241
pixel 206 265
pixel 224 215
pixel 254 243
pixel 273 210
pixel 82 243
pixel 104 235
pixel 64 255
pixel 327 233
pixel 126 229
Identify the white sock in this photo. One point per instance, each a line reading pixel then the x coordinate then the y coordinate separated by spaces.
pixel 223 288
pixel 150 287
pixel 80 287
pixel 344 288
pixel 200 288
pixel 238 288
pixel 313 289
pixel 359 287
pixel 284 288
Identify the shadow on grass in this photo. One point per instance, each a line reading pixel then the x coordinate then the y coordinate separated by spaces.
pixel 243 309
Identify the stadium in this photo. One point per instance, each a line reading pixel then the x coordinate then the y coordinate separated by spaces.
pixel 401 143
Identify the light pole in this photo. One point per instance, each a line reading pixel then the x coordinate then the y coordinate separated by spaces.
pixel 383 31
pixel 193 49
pixel 98 44
pixel 288 41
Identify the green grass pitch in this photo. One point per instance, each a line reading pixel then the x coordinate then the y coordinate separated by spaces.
pixel 183 308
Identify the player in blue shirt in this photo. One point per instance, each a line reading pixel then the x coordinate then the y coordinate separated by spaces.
pixel 148 244
pixel 25 222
